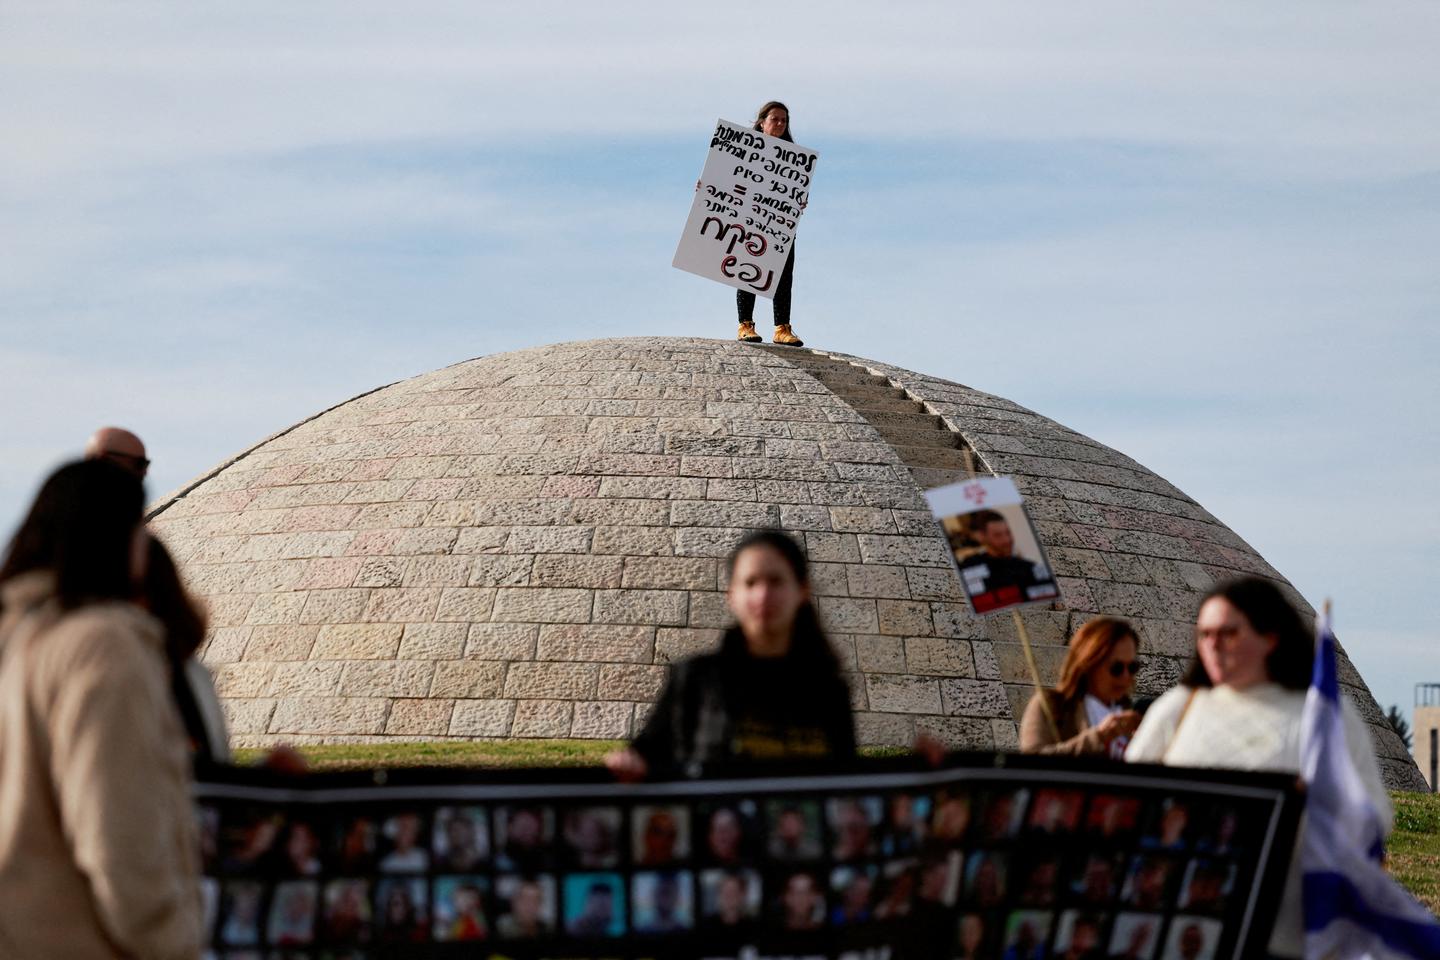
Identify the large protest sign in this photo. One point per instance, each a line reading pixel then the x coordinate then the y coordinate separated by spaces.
pixel 993 543
pixel 742 224
pixel 875 860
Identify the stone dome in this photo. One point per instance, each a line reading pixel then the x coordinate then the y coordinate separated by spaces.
pixel 516 546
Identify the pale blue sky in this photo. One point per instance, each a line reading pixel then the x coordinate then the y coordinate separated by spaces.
pixel 1206 234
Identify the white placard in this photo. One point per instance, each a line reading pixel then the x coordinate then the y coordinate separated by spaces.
pixel 742 224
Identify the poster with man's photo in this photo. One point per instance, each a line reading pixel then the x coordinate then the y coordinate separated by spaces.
pixel 993 543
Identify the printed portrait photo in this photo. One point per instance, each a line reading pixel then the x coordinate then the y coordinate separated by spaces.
pixel 1078 936
pixel 1037 876
pixel 660 835
pixel 896 897
pixel 402 910
pixel 347 911
pixel 731 832
pixel 240 904
pixel 985 875
pixel 1168 826
pixel 292 913
pixel 1112 817
pixel 459 908
pixel 852 894
pixel 993 544
pixel 970 937
pixel 1026 932
pixel 1135 936
pixel 1096 877
pixel 592 837
pixel 526 906
pixel 794 829
pixel 799 901
pixel 402 843
pixel 951 817
pixel 907 824
pixel 594 905
pixel 300 848
pixel 356 843
pixel 662 901
pixel 1191 938
pixel 1147 886
pixel 461 839
pixel 249 838
pixel 1055 812
pixel 854 826
pixel 729 898
pixel 1001 813
pixel 524 836
pixel 1204 886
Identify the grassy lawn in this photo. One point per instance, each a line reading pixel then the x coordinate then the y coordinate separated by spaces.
pixel 1414 847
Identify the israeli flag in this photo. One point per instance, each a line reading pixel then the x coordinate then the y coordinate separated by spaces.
pixel 1353 908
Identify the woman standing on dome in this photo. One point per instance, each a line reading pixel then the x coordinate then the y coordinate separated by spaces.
pixel 773 690
pixel 1240 706
pixel 773 120
pixel 1091 704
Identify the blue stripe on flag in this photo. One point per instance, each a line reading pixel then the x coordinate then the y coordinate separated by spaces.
pixel 1332 896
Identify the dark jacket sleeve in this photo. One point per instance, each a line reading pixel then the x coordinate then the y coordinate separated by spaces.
pixel 840 724
pixel 656 741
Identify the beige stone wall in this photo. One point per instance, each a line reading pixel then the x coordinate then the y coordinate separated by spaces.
pixel 1426 723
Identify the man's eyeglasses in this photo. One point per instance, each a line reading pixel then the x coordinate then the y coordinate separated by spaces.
pixel 138 463
pixel 1117 668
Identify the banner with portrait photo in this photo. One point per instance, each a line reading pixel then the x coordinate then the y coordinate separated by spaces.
pixel 993 543
pixel 752 193
pixel 879 859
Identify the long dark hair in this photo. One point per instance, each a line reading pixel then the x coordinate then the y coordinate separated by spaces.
pixel 765 108
pixel 81 527
pixel 808 643
pixel 168 601
pixel 1262 603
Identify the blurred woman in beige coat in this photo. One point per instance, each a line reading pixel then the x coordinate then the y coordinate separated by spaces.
pixel 98 850
pixel 1091 705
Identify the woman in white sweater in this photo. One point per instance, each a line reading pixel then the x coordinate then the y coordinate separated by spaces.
pixel 1240 705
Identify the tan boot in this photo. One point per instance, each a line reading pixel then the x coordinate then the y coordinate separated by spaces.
pixel 747 332
pixel 784 335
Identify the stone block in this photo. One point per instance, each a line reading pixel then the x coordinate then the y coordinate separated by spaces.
pixel 329 715
pixel 658 488
pixel 861 520
pixel 632 681
pixel 905 551
pixel 709 610
pixel 601 720
pixel 973 698
pixel 884 729
pixel 542 605
pixel 433 641
pixel 876 580
pixel 419 718
pixel 568 570
pixel 724 513
pixel 848 615
pixel 285 642
pixel 669 573
pixel 677 643
pixel 1010 658
pixel 500 570
pixel 955 620
pixel 706 541
pixel 473 540
pixel 542 718
pixel 241 680
pixel 729 490
pixel 878 654
pixel 898 694
pixel 465 604
pixel 381 572
pixel 959 733
pixel 386 678
pixel 938 656
pixel 226 644
pixel 482 718
pixel 660 607
pixel 799 518
pixel 634 541
pixel 1007 735
pixel 250 715
pixel 832 547
pixel 334 606
pixel 330 573
pixel 596 643
pixel 437 572
pixel 270 608
pixel 501 641
pixel 1046 628
pixel 535 540
pixel 470 679
pixel 551 681
pixel 402 605
pixel 903 618
pixel 358 641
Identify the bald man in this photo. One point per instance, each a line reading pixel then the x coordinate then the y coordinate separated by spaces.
pixel 119 446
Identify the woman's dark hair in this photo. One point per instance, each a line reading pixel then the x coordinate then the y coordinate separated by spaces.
pixel 81 527
pixel 807 639
pixel 765 108
pixel 167 600
pixel 1291 662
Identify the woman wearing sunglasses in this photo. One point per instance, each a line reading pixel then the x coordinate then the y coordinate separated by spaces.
pixel 1091 705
